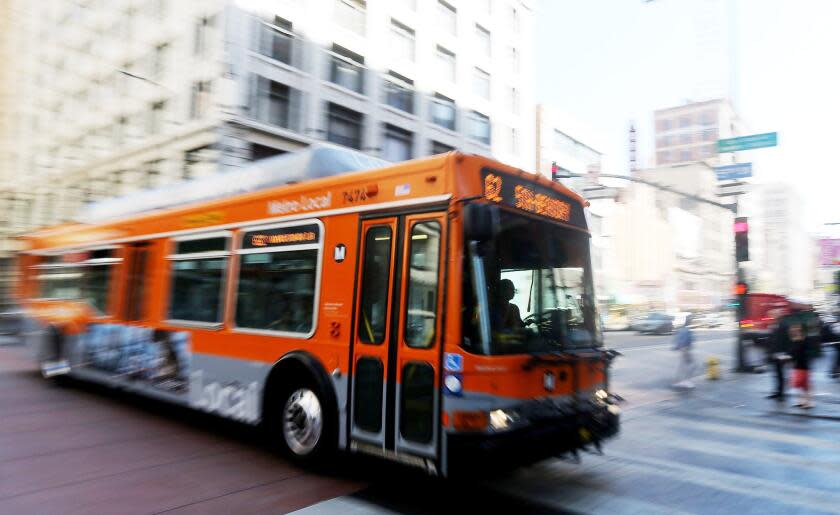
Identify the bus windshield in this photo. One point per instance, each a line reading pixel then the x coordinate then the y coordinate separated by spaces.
pixel 530 290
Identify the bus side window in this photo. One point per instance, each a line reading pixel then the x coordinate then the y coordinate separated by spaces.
pixel 422 293
pixel 278 268
pixel 135 293
pixel 197 270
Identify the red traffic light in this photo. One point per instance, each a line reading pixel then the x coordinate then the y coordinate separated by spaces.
pixel 740 289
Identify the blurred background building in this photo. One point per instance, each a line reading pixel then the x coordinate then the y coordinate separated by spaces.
pixel 788 262
pixel 689 132
pixel 112 97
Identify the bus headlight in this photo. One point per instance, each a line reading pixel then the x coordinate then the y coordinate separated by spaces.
pixel 601 395
pixel 501 419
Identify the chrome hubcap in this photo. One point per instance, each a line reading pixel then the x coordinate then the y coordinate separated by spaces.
pixel 302 421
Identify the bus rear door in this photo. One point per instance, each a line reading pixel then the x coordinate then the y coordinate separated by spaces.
pixel 397 338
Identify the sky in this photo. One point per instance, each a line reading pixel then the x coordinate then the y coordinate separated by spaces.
pixel 608 63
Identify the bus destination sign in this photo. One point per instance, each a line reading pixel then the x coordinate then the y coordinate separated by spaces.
pixel 533 198
pixel 281 236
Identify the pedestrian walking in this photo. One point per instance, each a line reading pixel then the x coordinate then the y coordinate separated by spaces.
pixel 779 353
pixel 801 332
pixel 683 342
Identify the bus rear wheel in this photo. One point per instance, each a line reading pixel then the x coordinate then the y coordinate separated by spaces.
pixel 304 426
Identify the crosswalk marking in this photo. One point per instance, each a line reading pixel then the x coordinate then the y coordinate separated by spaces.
pixel 753 433
pixel 778 491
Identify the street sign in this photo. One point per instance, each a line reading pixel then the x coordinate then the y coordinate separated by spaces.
pixel 747 142
pixel 732 188
pixel 736 171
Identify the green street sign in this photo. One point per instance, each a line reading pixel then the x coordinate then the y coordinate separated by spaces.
pixel 747 142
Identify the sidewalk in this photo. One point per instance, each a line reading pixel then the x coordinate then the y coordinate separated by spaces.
pixel 748 391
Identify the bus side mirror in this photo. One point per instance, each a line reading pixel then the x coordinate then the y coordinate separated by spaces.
pixel 480 221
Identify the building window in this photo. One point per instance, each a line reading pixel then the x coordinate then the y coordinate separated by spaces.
pixel 351 15
pixel 443 111
pixel 397 145
pixel 277 40
pixel 708 150
pixel 685 155
pixel 709 134
pixel 513 141
pixel 479 127
pixel 663 157
pixel 263 151
pixel 446 63
pixel 483 41
pixel 481 83
pixel 154 122
pixel 402 41
pixel 120 130
pixel 199 161
pixel 440 148
pixel 273 100
pixel 664 124
pixel 159 64
pixel 200 99
pixel 198 268
pixel 685 138
pixel 447 17
pixel 514 19
pixel 514 59
pixel 513 100
pixel 399 92
pixel 152 173
pixel 347 69
pixel 202 29
pixel 344 126
pixel 685 121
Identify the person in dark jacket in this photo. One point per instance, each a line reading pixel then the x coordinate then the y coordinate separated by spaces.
pixel 779 355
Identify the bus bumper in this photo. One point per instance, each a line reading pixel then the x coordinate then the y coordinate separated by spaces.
pixel 538 440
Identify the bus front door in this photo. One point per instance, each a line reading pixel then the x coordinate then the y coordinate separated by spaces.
pixel 397 339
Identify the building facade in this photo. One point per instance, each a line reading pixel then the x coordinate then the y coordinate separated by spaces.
pixel 688 133
pixel 665 251
pixel 788 264
pixel 112 97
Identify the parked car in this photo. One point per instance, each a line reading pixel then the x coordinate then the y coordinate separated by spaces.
pixel 656 323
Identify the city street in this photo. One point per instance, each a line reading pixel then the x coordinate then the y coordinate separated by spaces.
pixel 719 448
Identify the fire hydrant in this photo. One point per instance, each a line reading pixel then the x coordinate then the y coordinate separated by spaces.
pixel 712 368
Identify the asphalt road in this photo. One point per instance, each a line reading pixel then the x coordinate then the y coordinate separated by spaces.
pixel 719 448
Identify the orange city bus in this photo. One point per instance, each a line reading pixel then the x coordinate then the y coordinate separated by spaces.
pixel 438 312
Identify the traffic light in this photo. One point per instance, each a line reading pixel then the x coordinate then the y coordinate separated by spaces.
pixel 558 172
pixel 742 231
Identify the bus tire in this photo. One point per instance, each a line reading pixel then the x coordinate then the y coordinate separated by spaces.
pixel 301 422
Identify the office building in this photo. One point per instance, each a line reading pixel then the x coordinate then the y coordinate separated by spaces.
pixel 131 94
